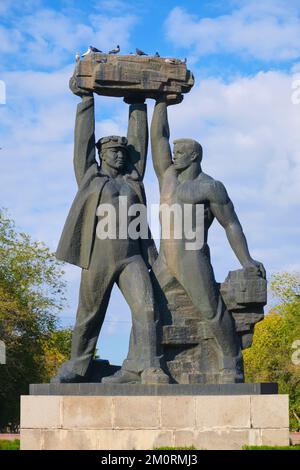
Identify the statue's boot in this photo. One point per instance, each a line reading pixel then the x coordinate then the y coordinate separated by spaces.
pixel 122 376
pixel 68 377
pixel 154 375
pixel 151 375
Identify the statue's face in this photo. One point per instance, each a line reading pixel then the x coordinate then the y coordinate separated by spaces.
pixel 115 157
pixel 183 155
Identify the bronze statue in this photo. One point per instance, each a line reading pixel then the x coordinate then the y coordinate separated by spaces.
pixel 108 261
pixel 204 325
pixel 182 181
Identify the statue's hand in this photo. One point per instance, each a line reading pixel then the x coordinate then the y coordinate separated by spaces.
pixel 76 90
pixel 170 99
pixel 258 265
pixel 174 99
pixel 137 98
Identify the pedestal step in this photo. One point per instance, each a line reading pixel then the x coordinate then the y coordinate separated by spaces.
pixel 146 422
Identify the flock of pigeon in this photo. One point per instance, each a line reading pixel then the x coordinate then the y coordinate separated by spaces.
pixel 93 49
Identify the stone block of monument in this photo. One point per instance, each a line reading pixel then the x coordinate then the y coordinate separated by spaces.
pixel 124 75
pixel 245 295
pixel 190 349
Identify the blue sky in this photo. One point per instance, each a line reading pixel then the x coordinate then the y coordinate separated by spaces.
pixel 245 57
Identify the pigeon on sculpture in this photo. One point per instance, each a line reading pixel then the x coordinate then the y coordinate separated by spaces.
pixel 90 50
pixel 115 51
pixel 139 52
pixel 77 57
pixel 170 61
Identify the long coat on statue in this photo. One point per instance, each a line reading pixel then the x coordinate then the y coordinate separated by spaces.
pixel 78 235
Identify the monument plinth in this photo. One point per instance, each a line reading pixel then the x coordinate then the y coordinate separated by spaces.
pixel 106 417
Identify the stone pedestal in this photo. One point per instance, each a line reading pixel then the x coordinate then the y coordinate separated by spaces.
pixel 135 421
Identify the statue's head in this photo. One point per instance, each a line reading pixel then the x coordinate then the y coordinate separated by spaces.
pixel 113 151
pixel 185 152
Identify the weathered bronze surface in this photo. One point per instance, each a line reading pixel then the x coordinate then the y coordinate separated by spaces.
pixel 186 327
pixel 123 75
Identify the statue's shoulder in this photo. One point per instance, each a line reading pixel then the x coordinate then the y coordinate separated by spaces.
pixel 216 190
pixel 205 178
pixel 207 182
pixel 92 171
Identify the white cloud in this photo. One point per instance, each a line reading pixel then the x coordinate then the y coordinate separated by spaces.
pixel 50 38
pixel 9 39
pixel 9 6
pixel 115 6
pixel 267 31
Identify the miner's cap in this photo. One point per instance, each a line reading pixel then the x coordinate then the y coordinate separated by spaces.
pixel 112 141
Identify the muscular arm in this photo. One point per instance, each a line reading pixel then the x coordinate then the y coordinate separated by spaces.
pixel 160 135
pixel 84 142
pixel 137 136
pixel 223 209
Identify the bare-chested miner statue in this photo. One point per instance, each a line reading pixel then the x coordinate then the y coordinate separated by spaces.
pixel 182 181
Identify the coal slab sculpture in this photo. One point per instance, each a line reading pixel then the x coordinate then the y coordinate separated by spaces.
pixel 123 76
pixel 186 328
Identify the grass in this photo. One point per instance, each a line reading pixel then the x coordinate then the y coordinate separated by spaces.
pixel 271 447
pixel 10 445
pixel 15 445
pixel 297 447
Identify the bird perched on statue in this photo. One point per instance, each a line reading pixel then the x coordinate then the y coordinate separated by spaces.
pixel 139 52
pixel 170 61
pixel 157 54
pixel 90 50
pixel 77 57
pixel 115 51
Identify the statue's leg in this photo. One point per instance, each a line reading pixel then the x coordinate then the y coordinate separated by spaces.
pixel 197 278
pixel 135 284
pixel 95 289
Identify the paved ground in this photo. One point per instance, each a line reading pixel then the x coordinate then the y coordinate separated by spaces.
pixel 295 438
pixel 9 437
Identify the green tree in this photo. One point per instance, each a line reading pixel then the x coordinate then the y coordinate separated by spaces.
pixel 271 356
pixel 31 297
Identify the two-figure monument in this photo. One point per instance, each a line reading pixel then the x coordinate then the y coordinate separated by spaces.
pixel 183 330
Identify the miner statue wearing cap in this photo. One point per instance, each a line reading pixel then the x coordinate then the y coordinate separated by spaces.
pixel 106 261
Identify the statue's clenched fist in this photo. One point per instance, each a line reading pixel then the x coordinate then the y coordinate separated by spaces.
pixel 78 91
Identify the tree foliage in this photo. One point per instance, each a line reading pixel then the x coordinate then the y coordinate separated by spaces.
pixel 31 297
pixel 273 356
